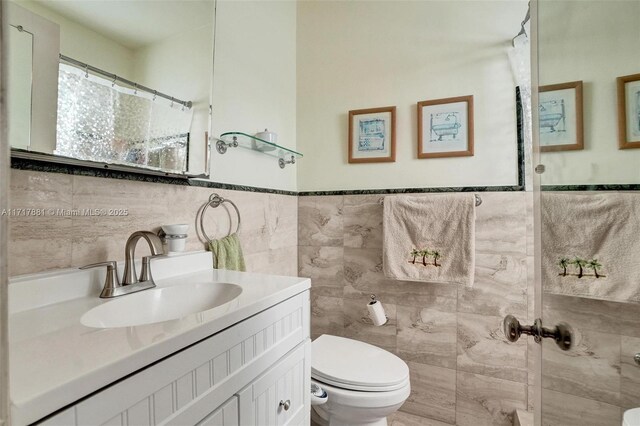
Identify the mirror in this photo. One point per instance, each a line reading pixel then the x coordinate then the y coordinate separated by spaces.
pixel 124 83
pixel 585 48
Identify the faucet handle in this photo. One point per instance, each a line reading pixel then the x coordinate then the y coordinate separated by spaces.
pixel 145 275
pixel 108 263
pixel 111 281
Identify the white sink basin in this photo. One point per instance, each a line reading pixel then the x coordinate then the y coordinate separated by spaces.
pixel 160 304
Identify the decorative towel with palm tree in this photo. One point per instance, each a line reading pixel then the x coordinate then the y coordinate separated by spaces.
pixel 580 266
pixel 429 238
pixel 429 257
pixel 590 244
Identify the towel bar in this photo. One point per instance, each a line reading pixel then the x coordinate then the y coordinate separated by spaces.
pixel 478 200
pixel 214 201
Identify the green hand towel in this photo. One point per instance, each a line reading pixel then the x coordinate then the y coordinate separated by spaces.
pixel 227 253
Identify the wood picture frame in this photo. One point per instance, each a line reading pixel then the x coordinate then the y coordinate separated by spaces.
pixel 445 127
pixel 628 87
pixel 372 135
pixel 560 117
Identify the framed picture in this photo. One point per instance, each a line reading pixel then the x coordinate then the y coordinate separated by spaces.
pixel 560 117
pixel 372 135
pixel 445 127
pixel 629 111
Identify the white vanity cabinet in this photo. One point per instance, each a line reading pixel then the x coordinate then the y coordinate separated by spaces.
pixel 280 396
pixel 238 376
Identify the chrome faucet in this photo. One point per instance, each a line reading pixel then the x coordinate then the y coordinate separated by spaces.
pixel 155 245
pixel 131 283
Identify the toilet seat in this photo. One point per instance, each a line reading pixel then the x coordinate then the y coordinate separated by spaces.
pixel 357 366
pixel 369 400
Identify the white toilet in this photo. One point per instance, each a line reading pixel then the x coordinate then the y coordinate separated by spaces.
pixel 364 383
pixel 631 417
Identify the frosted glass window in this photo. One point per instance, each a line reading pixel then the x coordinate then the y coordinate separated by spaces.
pixel 102 121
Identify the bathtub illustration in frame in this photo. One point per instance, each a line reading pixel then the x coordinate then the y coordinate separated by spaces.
pixel 445 127
pixel 372 136
pixel 560 117
pixel 629 111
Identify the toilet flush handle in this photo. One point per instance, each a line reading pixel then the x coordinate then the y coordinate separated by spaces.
pixel 285 404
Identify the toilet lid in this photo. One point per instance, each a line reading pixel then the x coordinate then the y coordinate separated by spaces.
pixel 351 364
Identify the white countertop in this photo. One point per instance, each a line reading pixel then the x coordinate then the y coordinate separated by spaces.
pixel 55 360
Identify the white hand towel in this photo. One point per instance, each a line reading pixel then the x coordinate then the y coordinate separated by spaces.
pixel 429 238
pixel 585 235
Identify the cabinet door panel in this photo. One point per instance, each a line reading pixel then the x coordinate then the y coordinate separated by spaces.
pixel 227 415
pixel 286 383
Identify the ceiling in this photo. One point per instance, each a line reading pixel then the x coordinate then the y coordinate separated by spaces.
pixel 135 23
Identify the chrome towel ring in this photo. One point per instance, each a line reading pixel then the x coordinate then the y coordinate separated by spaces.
pixel 214 201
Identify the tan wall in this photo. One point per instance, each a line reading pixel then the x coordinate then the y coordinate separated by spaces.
pixel 366 54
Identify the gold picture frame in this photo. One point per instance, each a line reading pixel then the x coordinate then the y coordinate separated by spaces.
pixel 628 111
pixel 560 117
pixel 445 127
pixel 372 135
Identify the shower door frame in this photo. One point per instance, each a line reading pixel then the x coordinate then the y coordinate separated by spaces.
pixel 536 354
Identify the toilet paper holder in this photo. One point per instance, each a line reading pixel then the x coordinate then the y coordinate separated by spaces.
pixel 377 313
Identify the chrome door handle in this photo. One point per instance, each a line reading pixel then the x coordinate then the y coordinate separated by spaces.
pixel 562 333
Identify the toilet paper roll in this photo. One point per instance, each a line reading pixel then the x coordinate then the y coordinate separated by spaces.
pixel 376 313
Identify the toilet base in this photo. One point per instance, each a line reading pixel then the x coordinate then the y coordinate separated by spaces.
pixel 319 417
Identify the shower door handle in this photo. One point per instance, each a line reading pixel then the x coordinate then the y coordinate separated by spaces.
pixel 562 333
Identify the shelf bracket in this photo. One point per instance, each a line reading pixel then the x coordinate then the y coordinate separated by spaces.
pixel 282 162
pixel 222 146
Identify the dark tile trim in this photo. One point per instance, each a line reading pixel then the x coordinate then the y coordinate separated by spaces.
pixel 81 170
pixel 595 187
pixel 234 187
pixel 520 137
pixel 414 190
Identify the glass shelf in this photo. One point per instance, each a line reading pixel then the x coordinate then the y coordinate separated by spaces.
pixel 247 141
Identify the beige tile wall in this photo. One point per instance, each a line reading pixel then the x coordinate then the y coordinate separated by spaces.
pixel 598 379
pixel 40 243
pixel 463 371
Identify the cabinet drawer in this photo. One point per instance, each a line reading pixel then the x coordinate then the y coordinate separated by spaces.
pixel 185 387
pixel 281 395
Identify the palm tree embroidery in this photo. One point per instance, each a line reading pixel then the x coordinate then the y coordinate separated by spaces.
pixel 436 256
pixel 425 253
pixel 580 263
pixel 564 262
pixel 594 264
pixel 415 253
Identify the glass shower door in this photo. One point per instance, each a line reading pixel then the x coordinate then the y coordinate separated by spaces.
pixel 587 210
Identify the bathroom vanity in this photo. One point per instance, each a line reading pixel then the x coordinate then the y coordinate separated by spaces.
pixel 244 361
